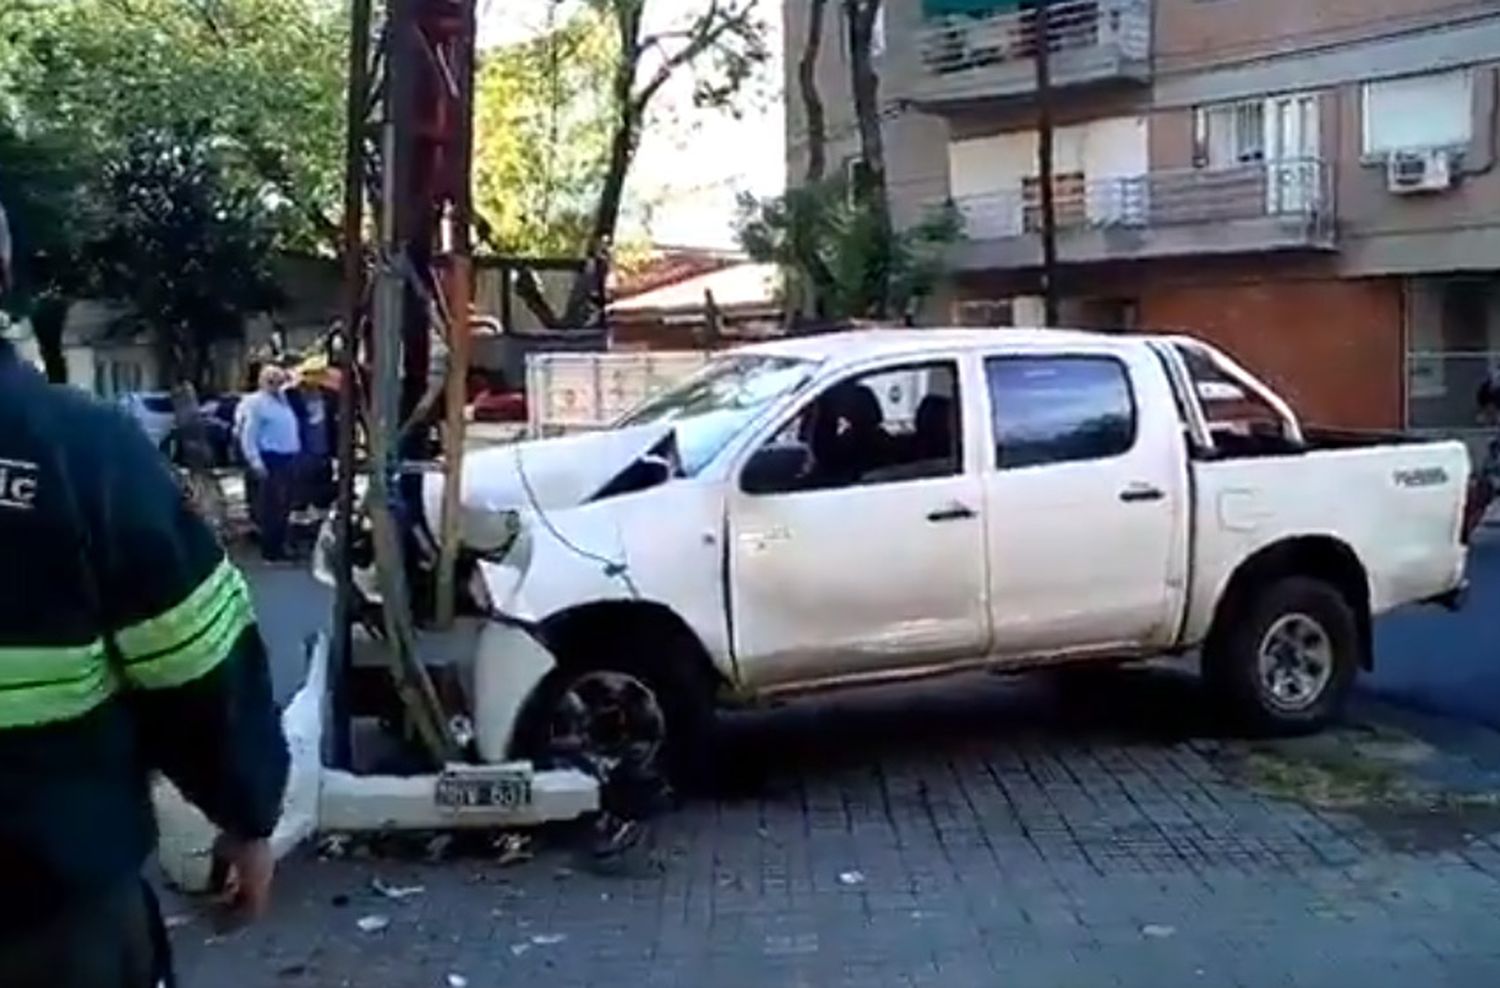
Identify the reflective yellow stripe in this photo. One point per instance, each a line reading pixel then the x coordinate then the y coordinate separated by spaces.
pixel 217 634
pixel 28 665
pixel 185 620
pixel 45 685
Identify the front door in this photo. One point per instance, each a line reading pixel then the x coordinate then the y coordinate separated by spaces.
pixel 1083 495
pixel 869 556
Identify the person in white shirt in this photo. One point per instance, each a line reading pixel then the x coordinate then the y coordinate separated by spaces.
pixel 270 442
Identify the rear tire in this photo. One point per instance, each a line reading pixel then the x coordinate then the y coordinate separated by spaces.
pixel 1285 659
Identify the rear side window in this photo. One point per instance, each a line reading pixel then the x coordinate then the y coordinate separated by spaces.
pixel 1059 409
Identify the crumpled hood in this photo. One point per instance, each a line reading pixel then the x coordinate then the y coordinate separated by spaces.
pixel 561 473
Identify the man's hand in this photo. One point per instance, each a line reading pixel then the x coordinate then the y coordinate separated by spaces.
pixel 246 893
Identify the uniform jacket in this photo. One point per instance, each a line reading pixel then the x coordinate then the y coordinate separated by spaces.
pixel 127 646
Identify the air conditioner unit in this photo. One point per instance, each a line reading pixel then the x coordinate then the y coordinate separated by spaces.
pixel 1410 172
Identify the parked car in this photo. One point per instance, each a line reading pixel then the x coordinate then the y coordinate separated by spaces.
pixel 843 510
pixel 156 414
pixel 153 410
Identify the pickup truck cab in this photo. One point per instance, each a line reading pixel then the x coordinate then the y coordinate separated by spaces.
pixel 856 508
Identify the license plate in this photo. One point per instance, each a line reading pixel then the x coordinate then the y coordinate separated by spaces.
pixel 495 789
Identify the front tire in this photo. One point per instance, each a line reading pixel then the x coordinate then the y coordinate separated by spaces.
pixel 1286 658
pixel 615 711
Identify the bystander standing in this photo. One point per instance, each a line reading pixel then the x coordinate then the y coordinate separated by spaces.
pixel 271 444
pixel 316 406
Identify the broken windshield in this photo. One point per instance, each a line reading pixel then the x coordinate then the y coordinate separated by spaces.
pixel 712 406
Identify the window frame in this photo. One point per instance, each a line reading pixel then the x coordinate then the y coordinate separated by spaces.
pixel 848 375
pixel 1368 86
pixel 1232 114
pixel 994 465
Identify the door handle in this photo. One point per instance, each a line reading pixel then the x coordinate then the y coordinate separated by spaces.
pixel 953 512
pixel 1141 492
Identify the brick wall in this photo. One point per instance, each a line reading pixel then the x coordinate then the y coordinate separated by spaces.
pixel 1195 32
pixel 1334 348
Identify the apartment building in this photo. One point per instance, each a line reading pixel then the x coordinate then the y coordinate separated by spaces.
pixel 1313 185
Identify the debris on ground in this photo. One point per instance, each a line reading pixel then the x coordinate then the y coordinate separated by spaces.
pixel 548 939
pixel 851 878
pixel 176 921
pixel 396 892
pixel 373 923
pixel 333 846
pixel 517 949
pixel 438 847
pixel 457 981
pixel 512 849
pixel 1158 931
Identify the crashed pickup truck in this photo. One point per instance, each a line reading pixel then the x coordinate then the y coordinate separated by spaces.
pixel 849 509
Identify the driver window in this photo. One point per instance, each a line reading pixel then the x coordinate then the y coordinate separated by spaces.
pixel 891 425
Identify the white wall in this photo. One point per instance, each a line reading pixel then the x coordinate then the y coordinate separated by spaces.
pixel 986 173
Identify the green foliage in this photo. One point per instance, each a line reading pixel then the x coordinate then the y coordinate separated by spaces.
pixel 186 248
pixel 834 258
pixel 156 152
pixel 46 198
pixel 264 77
pixel 541 133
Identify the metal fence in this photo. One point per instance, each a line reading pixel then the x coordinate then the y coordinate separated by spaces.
pixel 1293 189
pixel 959 43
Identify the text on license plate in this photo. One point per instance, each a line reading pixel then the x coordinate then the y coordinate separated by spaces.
pixel 480 790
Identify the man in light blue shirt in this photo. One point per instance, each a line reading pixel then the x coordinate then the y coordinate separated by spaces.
pixel 270 441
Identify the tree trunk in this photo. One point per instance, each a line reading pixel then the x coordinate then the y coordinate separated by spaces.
pixel 819 284
pixel 812 101
pixel 628 116
pixel 871 187
pixel 48 320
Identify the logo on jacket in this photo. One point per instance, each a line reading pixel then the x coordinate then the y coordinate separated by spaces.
pixel 18 485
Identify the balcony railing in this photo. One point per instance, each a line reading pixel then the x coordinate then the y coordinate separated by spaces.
pixel 966 56
pixel 1292 192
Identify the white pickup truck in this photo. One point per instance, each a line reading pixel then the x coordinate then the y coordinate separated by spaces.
pixel 849 509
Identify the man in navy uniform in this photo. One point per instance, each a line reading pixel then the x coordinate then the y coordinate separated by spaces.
pixel 127 646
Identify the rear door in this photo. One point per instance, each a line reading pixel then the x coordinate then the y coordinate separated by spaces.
pixel 1085 493
pixel 873 559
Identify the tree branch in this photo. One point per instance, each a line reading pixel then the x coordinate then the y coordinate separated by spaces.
pixel 713 25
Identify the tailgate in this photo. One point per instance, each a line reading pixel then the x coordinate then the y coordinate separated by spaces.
pixel 1417 548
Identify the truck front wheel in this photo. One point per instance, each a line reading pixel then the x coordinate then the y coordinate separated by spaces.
pixel 620 712
pixel 1286 658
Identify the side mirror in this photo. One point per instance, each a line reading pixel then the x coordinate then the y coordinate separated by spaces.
pixel 776 469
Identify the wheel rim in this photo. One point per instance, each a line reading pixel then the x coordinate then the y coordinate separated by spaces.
pixel 609 717
pixel 1296 662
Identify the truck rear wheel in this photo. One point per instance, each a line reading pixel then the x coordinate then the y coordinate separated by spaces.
pixel 1286 658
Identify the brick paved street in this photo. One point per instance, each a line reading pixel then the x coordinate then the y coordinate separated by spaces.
pixel 974 832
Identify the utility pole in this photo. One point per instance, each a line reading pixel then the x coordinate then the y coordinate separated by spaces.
pixel 340 753
pixel 1044 131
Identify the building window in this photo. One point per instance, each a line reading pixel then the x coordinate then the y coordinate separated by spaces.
pixel 1418 113
pixel 1229 134
pixel 1279 128
pixel 1453 346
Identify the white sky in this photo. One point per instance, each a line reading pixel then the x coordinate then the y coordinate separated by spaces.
pixel 691 162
